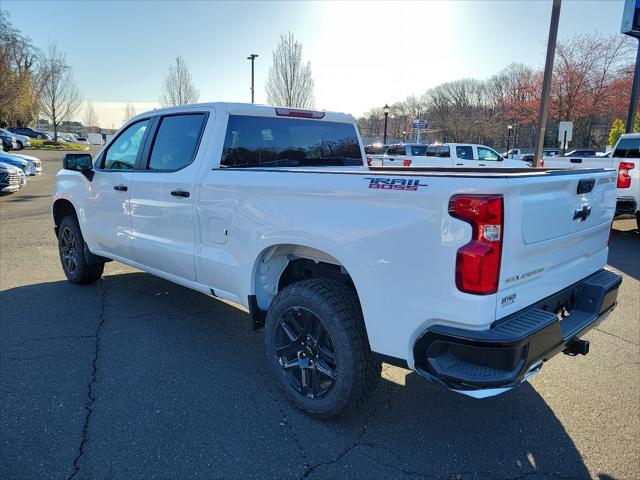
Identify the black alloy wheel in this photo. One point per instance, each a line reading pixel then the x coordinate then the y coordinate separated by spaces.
pixel 306 353
pixel 68 250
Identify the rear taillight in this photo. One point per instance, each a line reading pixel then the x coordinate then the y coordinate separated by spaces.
pixel 624 179
pixel 369 160
pixel 541 163
pixel 406 162
pixel 478 262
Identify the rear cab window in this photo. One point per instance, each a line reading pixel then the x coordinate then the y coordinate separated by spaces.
pixel 253 141
pixel 628 148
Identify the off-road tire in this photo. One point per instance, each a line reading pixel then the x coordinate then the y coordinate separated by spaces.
pixel 70 240
pixel 336 305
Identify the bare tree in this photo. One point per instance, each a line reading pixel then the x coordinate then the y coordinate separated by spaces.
pixel 177 86
pixel 289 83
pixel 129 112
pixel 60 97
pixel 90 117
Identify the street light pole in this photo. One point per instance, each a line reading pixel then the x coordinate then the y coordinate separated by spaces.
pixel 509 128
pixel 252 57
pixel 546 82
pixel 386 117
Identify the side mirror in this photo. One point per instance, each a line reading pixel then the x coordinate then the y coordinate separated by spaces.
pixel 79 162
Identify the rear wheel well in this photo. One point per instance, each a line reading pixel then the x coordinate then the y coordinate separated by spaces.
pixel 282 265
pixel 62 208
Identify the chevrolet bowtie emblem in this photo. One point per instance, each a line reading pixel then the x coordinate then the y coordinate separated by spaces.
pixel 581 214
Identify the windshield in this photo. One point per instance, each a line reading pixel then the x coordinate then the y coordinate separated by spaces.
pixel 253 141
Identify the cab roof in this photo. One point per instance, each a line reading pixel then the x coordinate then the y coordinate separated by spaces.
pixel 251 110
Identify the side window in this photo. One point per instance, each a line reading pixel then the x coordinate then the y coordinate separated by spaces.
pixel 431 151
pixel 418 150
pixel 176 142
pixel 123 152
pixel 628 148
pixel 443 151
pixel 485 153
pixel 464 152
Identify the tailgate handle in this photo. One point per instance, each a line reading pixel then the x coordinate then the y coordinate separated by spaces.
pixel 586 185
pixel 575 160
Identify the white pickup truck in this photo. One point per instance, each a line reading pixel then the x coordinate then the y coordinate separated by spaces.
pixel 471 277
pixel 625 158
pixel 443 155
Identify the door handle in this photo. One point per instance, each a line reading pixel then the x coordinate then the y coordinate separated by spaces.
pixel 459 164
pixel 179 193
pixel 120 188
pixel 481 165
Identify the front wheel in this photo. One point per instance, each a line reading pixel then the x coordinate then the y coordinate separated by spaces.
pixel 71 248
pixel 317 347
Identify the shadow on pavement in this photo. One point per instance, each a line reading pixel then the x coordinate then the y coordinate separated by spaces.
pixel 155 380
pixel 624 251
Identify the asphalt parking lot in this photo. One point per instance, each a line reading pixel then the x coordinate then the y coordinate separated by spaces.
pixel 135 377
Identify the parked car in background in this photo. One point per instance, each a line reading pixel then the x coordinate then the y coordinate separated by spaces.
pixel 11 178
pixel 8 140
pixel 400 155
pixel 582 152
pixel 30 132
pixel 528 158
pixel 82 140
pixel 35 165
pixel 625 157
pixel 550 152
pixel 466 155
pixel 22 141
pixel 374 152
pixel 16 161
pixel 513 154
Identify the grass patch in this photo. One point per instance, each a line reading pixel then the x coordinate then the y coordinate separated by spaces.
pixel 51 145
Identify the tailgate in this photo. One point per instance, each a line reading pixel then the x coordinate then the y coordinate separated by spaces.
pixel 556 232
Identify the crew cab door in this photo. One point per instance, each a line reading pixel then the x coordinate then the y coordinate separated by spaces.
pixel 464 156
pixel 106 206
pixel 163 195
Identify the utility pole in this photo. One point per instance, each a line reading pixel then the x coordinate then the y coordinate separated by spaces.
pixel 252 57
pixel 634 94
pixel 546 82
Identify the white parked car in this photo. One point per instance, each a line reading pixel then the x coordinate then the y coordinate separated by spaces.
pixel 471 278
pixel 398 155
pixel 625 158
pixel 468 155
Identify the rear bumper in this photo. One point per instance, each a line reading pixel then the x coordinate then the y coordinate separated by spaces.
pixel 489 362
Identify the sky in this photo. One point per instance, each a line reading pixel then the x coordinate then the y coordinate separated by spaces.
pixel 362 54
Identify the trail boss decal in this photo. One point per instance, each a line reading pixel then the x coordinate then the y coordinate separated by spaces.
pixel 410 184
